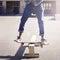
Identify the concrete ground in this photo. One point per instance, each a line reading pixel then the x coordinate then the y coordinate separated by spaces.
pixel 10 50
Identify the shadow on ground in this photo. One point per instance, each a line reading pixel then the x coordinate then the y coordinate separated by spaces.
pixel 18 55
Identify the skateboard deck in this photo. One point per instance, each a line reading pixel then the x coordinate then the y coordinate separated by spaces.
pixel 32 41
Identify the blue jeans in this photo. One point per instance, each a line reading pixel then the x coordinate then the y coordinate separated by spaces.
pixel 30 8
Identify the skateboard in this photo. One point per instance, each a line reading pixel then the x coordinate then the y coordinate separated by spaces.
pixel 33 41
pixel 31 44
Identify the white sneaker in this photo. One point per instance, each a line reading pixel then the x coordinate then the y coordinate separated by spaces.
pixel 44 41
pixel 18 39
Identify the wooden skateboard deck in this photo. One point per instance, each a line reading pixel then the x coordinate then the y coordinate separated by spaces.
pixel 32 41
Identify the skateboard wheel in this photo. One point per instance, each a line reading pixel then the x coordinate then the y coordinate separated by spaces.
pixel 22 44
pixel 41 46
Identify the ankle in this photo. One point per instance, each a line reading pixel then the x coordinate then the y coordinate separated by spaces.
pixel 18 37
pixel 20 33
pixel 42 37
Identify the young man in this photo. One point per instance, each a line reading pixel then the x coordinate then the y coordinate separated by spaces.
pixel 36 7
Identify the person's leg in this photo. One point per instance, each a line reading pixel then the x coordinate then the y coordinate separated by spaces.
pixel 39 12
pixel 26 14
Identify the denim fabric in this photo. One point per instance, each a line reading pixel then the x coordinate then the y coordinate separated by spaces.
pixel 30 8
pixel 34 2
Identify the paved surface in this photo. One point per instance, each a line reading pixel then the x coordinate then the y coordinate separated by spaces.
pixel 10 50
